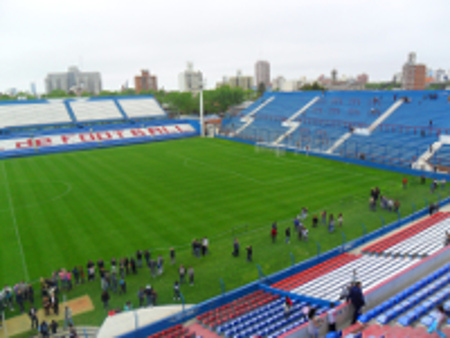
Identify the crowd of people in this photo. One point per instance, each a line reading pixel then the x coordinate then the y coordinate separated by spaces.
pixel 386 203
pixel 112 281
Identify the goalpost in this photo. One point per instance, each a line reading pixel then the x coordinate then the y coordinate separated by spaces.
pixel 264 147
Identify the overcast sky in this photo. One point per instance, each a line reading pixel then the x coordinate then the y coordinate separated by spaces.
pixel 298 38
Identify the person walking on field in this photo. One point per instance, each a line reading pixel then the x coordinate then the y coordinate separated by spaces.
pixel 274 232
pixel 105 299
pixel 191 276
pixel 288 234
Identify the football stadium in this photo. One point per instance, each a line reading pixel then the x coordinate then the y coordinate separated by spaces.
pixel 306 214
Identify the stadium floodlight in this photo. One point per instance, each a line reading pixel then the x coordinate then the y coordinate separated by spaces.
pixel 202 126
pixel 202 129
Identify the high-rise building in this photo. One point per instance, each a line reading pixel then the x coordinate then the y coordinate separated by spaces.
pixel 75 81
pixel 244 82
pixel 414 75
pixel 145 82
pixel 190 80
pixel 440 75
pixel 262 73
pixel 362 78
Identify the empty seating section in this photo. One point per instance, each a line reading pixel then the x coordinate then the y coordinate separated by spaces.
pixel 358 109
pixel 424 243
pixel 172 332
pixel 442 156
pixel 314 272
pixel 268 320
pixel 371 270
pixel 406 134
pixel 235 309
pixel 417 228
pixel 417 302
pixel 26 114
pixel 95 110
pixel 399 140
pixel 139 108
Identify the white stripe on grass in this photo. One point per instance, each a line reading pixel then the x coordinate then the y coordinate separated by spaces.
pixel 16 227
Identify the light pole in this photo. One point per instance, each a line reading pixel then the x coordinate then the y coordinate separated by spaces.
pixel 202 127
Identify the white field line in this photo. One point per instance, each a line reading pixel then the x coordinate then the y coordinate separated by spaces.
pixel 16 228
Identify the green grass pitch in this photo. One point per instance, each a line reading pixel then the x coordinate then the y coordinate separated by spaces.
pixel 61 210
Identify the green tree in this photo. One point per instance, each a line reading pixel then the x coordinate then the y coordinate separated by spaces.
pixel 314 86
pixel 58 93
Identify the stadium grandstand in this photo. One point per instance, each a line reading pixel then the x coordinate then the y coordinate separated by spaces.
pixel 387 127
pixel 402 266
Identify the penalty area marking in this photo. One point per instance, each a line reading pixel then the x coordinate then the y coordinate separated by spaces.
pixel 16 228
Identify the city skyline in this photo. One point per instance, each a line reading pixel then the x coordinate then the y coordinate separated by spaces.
pixel 359 37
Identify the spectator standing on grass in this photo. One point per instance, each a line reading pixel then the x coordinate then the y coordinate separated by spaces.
pixel 205 244
pixel 152 266
pixel 34 319
pixel 43 329
pixel 372 204
pixel 53 327
pixel 160 263
pixel 195 247
pixel 105 299
pixel 176 291
pixel 68 316
pixel 288 234
pixel 154 297
pixel 90 271
pixel 82 275
pixel 126 263
pixel 340 220
pixel 172 256
pixel 324 217
pixel 148 295
pixel 405 182
pixel 139 258
pixel 140 295
pixel 235 252
pixel 54 301
pixel 315 221
pixel 128 306
pixel 182 273
pixel 274 232
pixel 30 293
pixel 396 205
pixel 304 213
pixel 76 275
pixel 305 234
pixel 123 285
pixel 133 265
pixel 147 256
pixel 331 223
pixel 101 266
pixel 191 276
pixel 249 253
pixel 296 223
pixel 114 281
